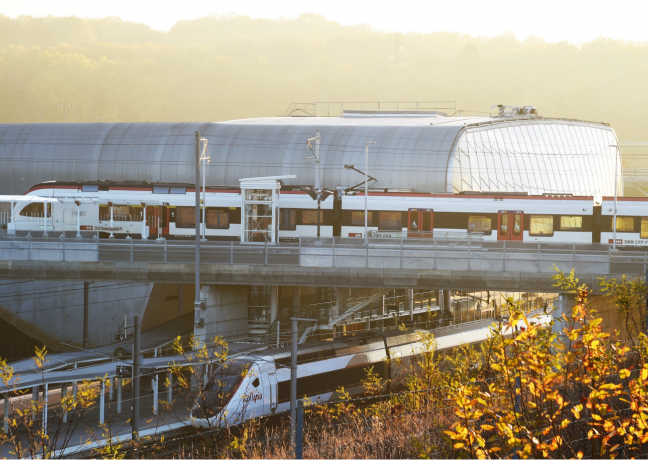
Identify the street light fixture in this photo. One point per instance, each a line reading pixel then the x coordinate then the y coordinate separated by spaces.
pixel 65 106
pixel 366 186
pixel 97 118
pixel 39 117
pixel 617 159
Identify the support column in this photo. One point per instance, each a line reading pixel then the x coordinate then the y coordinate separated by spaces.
pixel 447 308
pixel 274 303
pixel 170 390
pixel 225 312
pixel 410 301
pixel 102 402
pixel 180 299
pixel 144 231
pixel 78 235
pixel 35 396
pixel 7 402
pixel 86 312
pixel 45 399
pixel 564 304
pixel 63 396
pixel 296 309
pixel 119 395
pixel 154 384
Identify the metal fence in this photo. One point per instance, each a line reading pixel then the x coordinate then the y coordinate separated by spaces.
pixel 406 253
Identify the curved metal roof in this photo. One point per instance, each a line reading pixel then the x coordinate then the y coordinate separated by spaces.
pixel 410 153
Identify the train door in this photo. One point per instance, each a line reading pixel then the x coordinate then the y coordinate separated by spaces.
pixel 152 220
pixel 157 220
pixel 510 225
pixel 163 215
pixel 419 223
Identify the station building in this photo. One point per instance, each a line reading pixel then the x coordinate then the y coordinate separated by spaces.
pixel 515 150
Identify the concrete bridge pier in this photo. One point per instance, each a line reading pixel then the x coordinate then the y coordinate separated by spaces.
pixel 225 313
pixel 564 304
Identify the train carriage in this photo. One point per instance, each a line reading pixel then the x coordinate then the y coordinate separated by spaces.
pixel 631 222
pixel 142 210
pixel 505 217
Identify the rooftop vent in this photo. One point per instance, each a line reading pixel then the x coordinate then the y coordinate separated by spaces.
pixel 510 111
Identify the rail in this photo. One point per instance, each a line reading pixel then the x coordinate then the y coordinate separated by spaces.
pixel 337 252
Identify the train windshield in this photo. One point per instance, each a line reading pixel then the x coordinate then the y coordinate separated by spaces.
pixel 223 383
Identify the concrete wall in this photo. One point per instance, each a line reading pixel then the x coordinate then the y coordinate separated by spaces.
pixel 226 313
pixel 52 311
pixel 167 303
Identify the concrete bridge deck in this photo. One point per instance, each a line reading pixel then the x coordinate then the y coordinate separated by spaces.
pixel 346 262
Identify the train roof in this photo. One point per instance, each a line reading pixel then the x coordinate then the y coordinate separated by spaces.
pixel 373 192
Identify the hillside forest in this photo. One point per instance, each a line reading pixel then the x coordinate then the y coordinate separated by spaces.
pixel 230 67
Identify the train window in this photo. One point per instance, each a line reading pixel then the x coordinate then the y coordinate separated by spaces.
pixel 217 218
pixel 186 217
pixel 357 218
pixel 540 225
pixel 160 189
pixel 625 224
pixel 517 224
pixel 504 221
pixel 256 382
pixel 287 219
pixel 389 220
pixel 36 210
pixel 480 224
pixel 309 217
pixel 121 212
pixel 89 188
pixel 644 227
pixel 177 190
pixel 571 222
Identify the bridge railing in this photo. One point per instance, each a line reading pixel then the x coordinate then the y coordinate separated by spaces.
pixel 392 253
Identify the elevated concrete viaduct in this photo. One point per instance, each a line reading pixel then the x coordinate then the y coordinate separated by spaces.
pixel 233 275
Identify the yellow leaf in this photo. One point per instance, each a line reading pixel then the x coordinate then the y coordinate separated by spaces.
pixel 624 373
pixel 564 423
pixel 459 445
pixel 596 322
pixel 579 454
pixel 644 374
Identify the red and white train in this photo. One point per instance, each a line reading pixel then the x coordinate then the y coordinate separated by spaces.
pixel 151 210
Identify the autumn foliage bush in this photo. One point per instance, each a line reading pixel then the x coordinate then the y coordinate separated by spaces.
pixel 534 389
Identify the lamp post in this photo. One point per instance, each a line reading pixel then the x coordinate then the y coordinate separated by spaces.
pixel 617 159
pixel 204 161
pixel 366 186
pixel 318 189
pixel 65 106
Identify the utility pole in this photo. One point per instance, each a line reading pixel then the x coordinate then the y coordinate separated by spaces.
pixel 294 338
pixel 136 384
pixel 318 187
pixel 86 312
pixel 65 106
pixel 197 178
pixel 367 188
pixel 204 159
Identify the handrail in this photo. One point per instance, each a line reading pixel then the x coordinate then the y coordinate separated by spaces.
pixel 402 253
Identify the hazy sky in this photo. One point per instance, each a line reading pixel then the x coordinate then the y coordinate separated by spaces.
pixel 554 20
